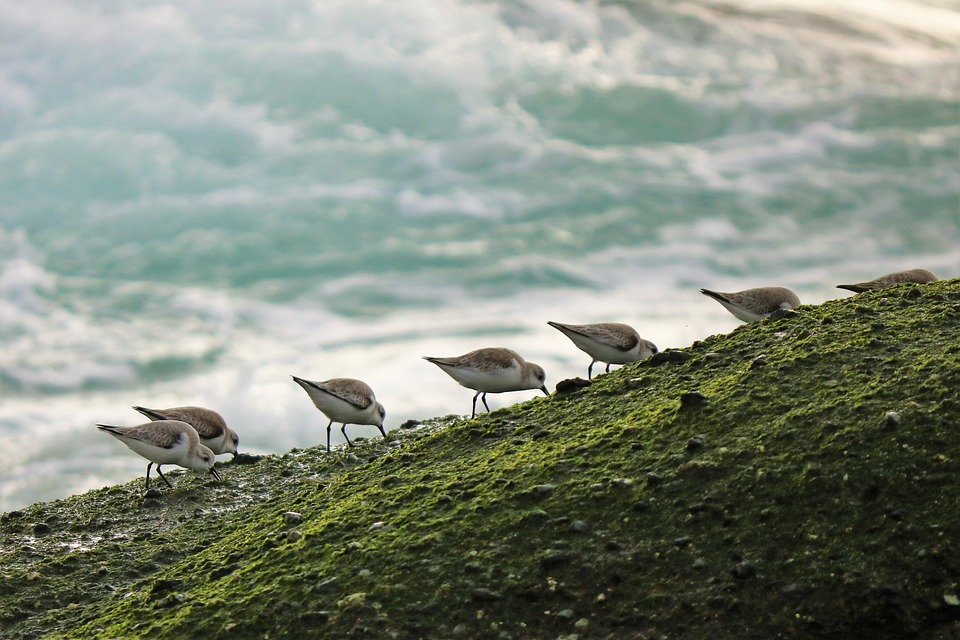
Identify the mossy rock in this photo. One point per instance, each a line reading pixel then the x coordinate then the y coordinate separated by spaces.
pixel 797 478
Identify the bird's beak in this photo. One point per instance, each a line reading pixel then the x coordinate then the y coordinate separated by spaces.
pixel 216 474
pixel 544 389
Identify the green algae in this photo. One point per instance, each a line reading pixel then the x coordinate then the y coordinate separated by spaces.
pixel 796 478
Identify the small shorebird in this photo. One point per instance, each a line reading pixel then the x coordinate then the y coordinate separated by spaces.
pixel 920 276
pixel 753 304
pixel 210 426
pixel 609 342
pixel 166 442
pixel 345 400
pixel 492 370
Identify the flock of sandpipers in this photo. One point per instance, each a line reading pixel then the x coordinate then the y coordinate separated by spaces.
pixel 191 437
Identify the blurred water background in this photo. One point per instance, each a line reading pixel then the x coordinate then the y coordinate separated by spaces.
pixel 199 199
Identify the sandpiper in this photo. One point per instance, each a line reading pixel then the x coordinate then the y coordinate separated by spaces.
pixel 345 400
pixel 609 342
pixel 210 426
pixel 492 370
pixel 166 442
pixel 753 304
pixel 919 276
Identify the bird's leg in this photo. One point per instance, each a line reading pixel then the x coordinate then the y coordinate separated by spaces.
pixel 149 466
pixel 484 399
pixel 608 368
pixel 328 435
pixel 590 370
pixel 163 476
pixel 474 414
pixel 343 430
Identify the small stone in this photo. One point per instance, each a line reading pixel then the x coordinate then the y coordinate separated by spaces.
pixel 572 385
pixel 245 458
pixel 744 570
pixel 364 573
pixel 578 526
pixel 483 594
pixel 695 443
pixel 640 506
pixel 376 526
pixel 41 528
pixel 782 313
pixel 293 535
pixel 565 614
pixel 153 493
pixel 669 355
pixel 581 624
pixel 892 419
pixel 314 618
pixel 623 483
pixel 951 599
pixel 654 479
pixel 682 542
pixel 352 600
pixel 291 518
pixel 759 361
pixel 693 399
pixel 151 504
pixel 544 489
pixel 555 558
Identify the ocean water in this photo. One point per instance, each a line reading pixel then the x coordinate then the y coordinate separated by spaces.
pixel 198 200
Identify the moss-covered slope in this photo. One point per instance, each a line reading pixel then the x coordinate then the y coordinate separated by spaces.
pixel 797 478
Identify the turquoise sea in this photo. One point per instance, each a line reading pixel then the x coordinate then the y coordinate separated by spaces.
pixel 199 199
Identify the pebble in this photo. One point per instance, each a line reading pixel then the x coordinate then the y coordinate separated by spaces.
pixel 744 570
pixel 693 399
pixel 696 443
pixel 293 535
pixel 669 355
pixel 892 419
pixel 483 594
pixel 572 385
pixel 291 518
pixel 654 479
pixel 578 526
pixel 566 614
pixel 314 618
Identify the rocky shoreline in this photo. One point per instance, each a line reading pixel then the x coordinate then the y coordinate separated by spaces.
pixel 796 478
